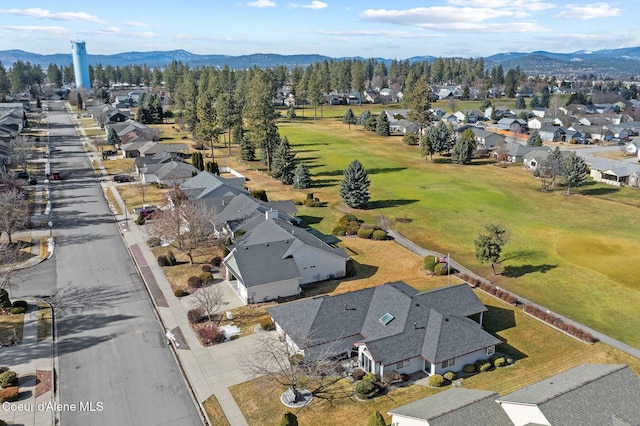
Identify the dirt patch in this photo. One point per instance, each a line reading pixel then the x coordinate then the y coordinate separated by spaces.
pixel 44 382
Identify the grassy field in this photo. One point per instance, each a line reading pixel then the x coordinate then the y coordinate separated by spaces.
pixel 580 249
pixel 214 412
pixel 9 323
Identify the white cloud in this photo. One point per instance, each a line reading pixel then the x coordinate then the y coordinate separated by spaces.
pixel 316 5
pixel 136 24
pixel 262 3
pixel 111 30
pixel 589 11
pixel 523 5
pixel 37 29
pixel 438 16
pixel 374 33
pixel 58 16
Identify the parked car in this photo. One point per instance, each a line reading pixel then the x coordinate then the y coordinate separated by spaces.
pixel 147 211
pixel 21 175
pixel 123 178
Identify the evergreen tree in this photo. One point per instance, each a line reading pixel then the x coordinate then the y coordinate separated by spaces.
pixel 302 177
pixel 464 148
pixel 197 161
pixel 535 102
pixel 419 104
pixel 260 194
pixel 113 138
pixel 212 167
pixel 363 117
pixel 289 419
pixel 534 139
pixel 354 188
pixel 427 148
pixel 283 166
pixel 382 125
pixel 376 419
pixel 79 101
pixel 520 103
pixel 349 118
pixel 247 151
pixel 574 171
pixel 553 165
pixel 544 98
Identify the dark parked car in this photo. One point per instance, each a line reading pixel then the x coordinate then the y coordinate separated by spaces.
pixel 22 175
pixel 123 178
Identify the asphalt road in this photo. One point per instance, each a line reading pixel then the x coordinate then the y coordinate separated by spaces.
pixel 113 360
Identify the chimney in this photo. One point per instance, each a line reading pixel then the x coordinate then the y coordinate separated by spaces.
pixel 271 214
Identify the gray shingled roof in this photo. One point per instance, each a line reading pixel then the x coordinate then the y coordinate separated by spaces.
pixel 254 264
pixel 206 184
pixel 589 394
pixel 430 324
pixel 457 407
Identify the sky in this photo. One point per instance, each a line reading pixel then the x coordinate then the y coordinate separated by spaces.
pixel 337 28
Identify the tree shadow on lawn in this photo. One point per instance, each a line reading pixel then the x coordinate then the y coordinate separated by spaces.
pixel 518 271
pixel 309 220
pixel 373 171
pixel 321 183
pixel 379 204
pixel 600 191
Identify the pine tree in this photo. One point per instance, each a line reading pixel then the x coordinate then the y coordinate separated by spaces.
pixel 363 117
pixel 113 138
pixel 376 419
pixel 247 151
pixel 212 167
pixel 464 148
pixel 520 103
pixel 382 125
pixel 427 148
pixel 574 171
pixel 289 419
pixel 534 139
pixel 283 166
pixel 302 177
pixel 354 188
pixel 349 118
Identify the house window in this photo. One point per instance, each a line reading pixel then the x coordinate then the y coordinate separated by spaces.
pixel 402 364
pixel 491 350
pixel 449 363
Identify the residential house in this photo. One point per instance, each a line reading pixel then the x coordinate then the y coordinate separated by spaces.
pixel 438 113
pixel 539 112
pixel 513 124
pixel 171 173
pixel 632 148
pixel 274 258
pixel 601 133
pixel 209 189
pixel 469 116
pixel 536 123
pixel 512 152
pixel 533 159
pixel 552 133
pixel 152 148
pixel 392 327
pixel 486 140
pixel 617 173
pixel 399 121
pixel 131 149
pixel 586 395
pixel 370 96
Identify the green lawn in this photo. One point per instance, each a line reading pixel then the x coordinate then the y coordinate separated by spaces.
pixel 574 254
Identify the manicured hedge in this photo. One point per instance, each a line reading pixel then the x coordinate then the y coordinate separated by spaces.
pixel 436 380
pixel 365 232
pixel 549 318
pixel 379 235
pixel 469 368
pixel 499 293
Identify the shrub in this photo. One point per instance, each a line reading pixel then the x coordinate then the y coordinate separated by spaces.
pixel 353 229
pixel 365 232
pixel 344 220
pixel 379 235
pixel 366 388
pixel 195 315
pixel 193 282
pixel 140 220
pixel 17 311
pixel 216 261
pixel 210 335
pixel 469 368
pixel 20 304
pixel 370 377
pixel 206 277
pixel 339 231
pixel 153 242
pixel 9 394
pixel 240 232
pixel 206 268
pixel 441 269
pixel 297 359
pixel 499 362
pixel 376 419
pixel 449 375
pixel 429 263
pixel 180 293
pixel 8 378
pixel 509 360
pixel 162 260
pixel 297 202
pixel 358 374
pixel 171 258
pixel 288 419
pixel 482 365
pixel 260 194
pixel 436 380
pixel 309 196
pixel 266 324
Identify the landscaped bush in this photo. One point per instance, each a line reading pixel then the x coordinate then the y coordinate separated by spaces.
pixel 162 260
pixel 153 242
pixel 216 261
pixel 194 282
pixel 17 311
pixel 499 362
pixel 339 231
pixel 441 269
pixel 180 293
pixel 379 235
pixel 195 315
pixel 171 258
pixel 9 394
pixel 370 376
pixel 558 323
pixel 140 220
pixel 297 202
pixel 206 277
pixel 266 323
pixel 206 268
pixel 358 374
pixel 482 365
pixel 366 388
pixel 344 220
pixel 429 263
pixel 20 304
pixel 210 335
pixel 436 380
pixel 469 368
pixel 297 359
pixel 365 232
pixel 449 375
pixel 8 378
pixel 240 232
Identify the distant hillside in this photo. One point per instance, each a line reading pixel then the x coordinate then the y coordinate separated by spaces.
pixel 609 62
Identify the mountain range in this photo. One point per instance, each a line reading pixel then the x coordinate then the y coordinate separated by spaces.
pixel 622 62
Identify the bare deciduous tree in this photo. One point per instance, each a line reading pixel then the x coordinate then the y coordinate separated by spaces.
pixel 209 299
pixel 22 150
pixel 14 211
pixel 185 226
